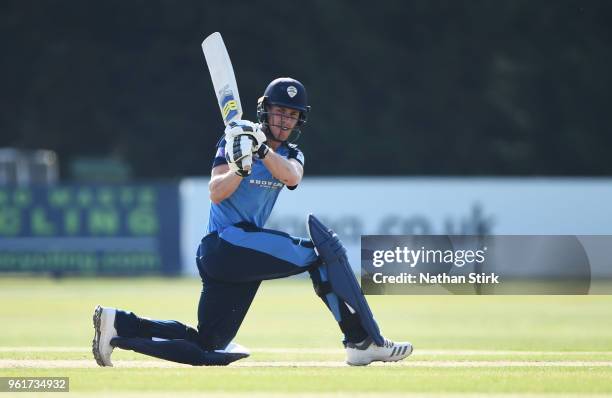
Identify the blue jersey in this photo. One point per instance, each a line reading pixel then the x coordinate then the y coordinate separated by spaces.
pixel 256 195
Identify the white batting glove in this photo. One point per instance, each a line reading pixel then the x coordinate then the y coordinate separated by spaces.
pixel 239 154
pixel 245 127
pixel 243 170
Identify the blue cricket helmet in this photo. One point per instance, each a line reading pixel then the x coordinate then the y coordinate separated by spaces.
pixel 285 92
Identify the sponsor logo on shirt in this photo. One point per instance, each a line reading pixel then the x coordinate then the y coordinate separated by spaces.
pixel 266 184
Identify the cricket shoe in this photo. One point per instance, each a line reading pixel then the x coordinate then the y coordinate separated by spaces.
pixel 104 325
pixel 360 354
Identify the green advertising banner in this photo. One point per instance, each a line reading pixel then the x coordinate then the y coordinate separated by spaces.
pixel 90 229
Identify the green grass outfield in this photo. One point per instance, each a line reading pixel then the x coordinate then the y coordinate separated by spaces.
pixel 464 345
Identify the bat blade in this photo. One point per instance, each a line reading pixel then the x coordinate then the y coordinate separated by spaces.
pixel 223 78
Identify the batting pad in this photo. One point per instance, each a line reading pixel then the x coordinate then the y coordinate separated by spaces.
pixel 341 276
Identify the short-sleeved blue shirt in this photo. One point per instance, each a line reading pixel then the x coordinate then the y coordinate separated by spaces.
pixel 256 195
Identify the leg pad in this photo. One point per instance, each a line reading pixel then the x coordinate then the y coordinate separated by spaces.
pixel 340 275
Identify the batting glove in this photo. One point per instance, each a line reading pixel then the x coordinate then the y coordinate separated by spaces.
pixel 245 127
pixel 239 154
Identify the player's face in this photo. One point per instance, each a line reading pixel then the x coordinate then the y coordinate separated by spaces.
pixel 282 121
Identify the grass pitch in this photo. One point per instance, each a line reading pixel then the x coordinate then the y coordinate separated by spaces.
pixel 464 345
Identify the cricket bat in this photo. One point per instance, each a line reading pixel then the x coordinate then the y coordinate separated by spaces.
pixel 223 79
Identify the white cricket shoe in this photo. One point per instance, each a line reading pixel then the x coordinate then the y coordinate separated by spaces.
pixel 104 325
pixel 360 354
pixel 235 348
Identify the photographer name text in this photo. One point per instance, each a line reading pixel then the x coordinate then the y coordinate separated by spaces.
pixel 442 278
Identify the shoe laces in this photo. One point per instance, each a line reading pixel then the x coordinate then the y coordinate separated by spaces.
pixel 388 343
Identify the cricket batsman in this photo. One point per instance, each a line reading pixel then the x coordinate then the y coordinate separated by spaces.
pixel 252 164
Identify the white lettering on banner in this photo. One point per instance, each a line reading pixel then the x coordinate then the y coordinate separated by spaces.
pixel 420 205
pixel 351 227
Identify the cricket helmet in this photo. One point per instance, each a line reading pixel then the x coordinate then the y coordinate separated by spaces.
pixel 285 92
